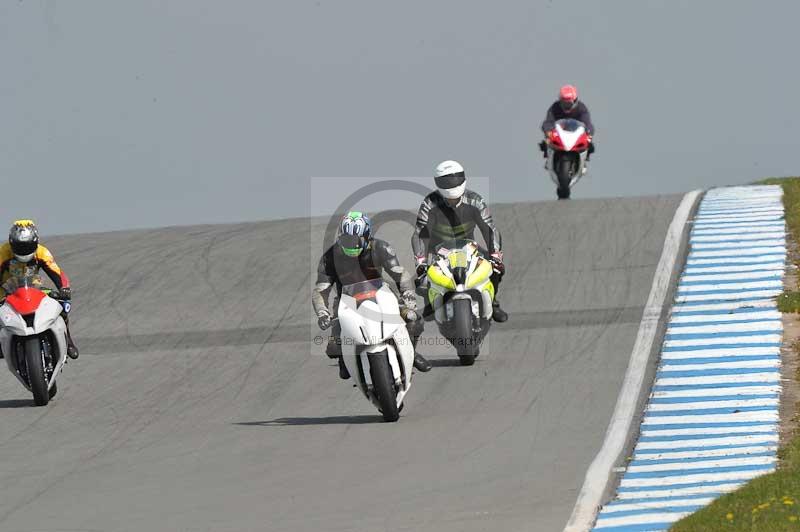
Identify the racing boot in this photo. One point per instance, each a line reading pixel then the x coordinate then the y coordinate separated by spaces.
pixel 343 373
pixel 498 314
pixel 421 363
pixel 415 328
pixel 72 350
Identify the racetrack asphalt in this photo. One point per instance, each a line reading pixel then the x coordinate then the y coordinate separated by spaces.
pixel 200 402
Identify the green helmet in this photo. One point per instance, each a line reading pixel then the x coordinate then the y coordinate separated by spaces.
pixel 355 232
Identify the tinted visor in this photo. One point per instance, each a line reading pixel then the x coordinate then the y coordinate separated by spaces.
pixel 351 241
pixel 24 248
pixel 450 180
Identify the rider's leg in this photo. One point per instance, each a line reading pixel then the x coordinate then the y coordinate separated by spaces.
pixel 498 314
pixel 334 349
pixel 72 349
pixel 415 328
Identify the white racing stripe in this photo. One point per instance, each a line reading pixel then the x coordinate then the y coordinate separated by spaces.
pixel 673 480
pixel 758 217
pixel 709 453
pixel 652 421
pixel 772 376
pixel 766 267
pixel 611 522
pixel 616 508
pixel 768 440
pixel 762 363
pixel 727 316
pixel 709 226
pixel 727 296
pixel 740 253
pixel 763 325
pixel 726 340
pixel 700 405
pixel 742 229
pixel 743 245
pixel 733 389
pixel 679 309
pixel 744 285
pixel 666 491
pixel 705 464
pixel 771 428
pixel 732 276
pixel 755 259
pixel 672 356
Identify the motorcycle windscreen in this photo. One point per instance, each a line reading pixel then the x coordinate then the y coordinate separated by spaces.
pixel 570 125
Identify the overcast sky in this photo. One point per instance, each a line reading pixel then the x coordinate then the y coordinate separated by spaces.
pixel 120 114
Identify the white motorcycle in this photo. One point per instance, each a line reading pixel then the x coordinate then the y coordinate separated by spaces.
pixel 566 151
pixel 376 347
pixel 33 338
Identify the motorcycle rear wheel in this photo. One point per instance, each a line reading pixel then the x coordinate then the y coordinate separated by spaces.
pixel 383 385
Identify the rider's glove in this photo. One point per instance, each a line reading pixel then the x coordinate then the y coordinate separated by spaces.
pixel 421 266
pixel 409 300
pixel 497 261
pixel 324 320
pixel 64 293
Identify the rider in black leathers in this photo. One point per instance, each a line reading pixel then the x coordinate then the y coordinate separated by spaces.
pixel 453 212
pixel 356 257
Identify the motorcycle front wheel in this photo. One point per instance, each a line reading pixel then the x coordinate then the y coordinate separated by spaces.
pixel 34 361
pixel 564 173
pixel 383 385
pixel 465 342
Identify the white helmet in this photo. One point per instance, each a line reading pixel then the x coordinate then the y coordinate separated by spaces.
pixel 450 179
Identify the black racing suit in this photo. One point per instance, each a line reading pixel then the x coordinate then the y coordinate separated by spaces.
pixel 337 269
pixel 556 112
pixel 579 112
pixel 438 221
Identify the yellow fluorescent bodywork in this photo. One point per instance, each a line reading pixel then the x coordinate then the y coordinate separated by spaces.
pixel 481 273
pixel 458 259
pixel 437 277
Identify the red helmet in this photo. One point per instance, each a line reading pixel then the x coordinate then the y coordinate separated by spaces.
pixel 568 96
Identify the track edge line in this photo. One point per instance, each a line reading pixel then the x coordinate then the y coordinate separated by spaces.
pixel 599 474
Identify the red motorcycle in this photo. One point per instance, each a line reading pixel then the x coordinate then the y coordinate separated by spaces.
pixel 566 148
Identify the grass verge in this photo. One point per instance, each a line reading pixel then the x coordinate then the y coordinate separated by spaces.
pixel 771 502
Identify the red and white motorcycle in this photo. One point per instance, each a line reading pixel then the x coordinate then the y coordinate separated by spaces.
pixel 33 337
pixel 566 150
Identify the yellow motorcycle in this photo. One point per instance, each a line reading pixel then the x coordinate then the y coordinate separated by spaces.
pixel 461 294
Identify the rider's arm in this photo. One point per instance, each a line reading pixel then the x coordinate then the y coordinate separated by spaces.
pixel 3 271
pixel 53 271
pixel 319 295
pixel 421 229
pixel 391 265
pixel 549 120
pixel 586 118
pixel 488 229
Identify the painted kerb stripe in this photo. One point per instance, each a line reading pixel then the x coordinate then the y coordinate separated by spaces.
pixel 711 421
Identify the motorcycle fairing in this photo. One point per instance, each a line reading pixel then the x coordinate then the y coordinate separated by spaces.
pixel 370 327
